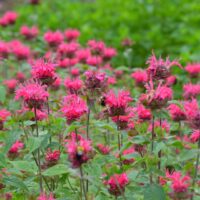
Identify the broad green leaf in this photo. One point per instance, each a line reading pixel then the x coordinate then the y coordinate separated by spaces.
pixel 56 170
pixel 154 192
pixel 28 166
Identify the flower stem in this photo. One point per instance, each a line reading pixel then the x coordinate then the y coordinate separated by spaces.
pixel 38 152
pixel 82 183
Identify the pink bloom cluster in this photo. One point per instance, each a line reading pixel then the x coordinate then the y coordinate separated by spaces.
pixel 117 184
pixel 73 107
pixel 53 38
pixel 29 33
pixel 193 69
pixel 8 18
pixel 33 94
pixel 177 114
pixel 52 157
pixel 72 34
pixel 73 86
pixel 79 151
pixel 191 90
pixel 44 196
pixel 140 77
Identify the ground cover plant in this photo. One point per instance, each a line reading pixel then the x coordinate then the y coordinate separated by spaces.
pixel 74 125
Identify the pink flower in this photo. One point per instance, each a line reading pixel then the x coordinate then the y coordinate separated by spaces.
pixel 52 157
pixel 105 150
pixel 74 85
pixel 108 54
pixel 72 34
pixel 20 51
pixel 20 77
pixel 33 94
pixel 68 49
pixel 127 152
pixel 29 33
pixel 67 62
pixel 180 183
pixel 14 149
pixel 4 49
pixel 79 152
pixel 140 77
pixel 83 55
pixel 44 71
pixel 4 114
pixel 40 115
pixel 8 18
pixel 122 121
pixel 195 136
pixel 75 72
pixel 156 98
pixel 111 80
pixel 97 47
pixel 177 114
pixel 164 126
pixel 56 84
pixel 158 68
pixel 94 61
pixel 53 38
pixel 117 184
pixel 117 103
pixel 44 196
pixel 191 90
pixel 73 107
pixel 171 80
pixel 143 113
pixel 193 69
pixel 95 80
pixel 11 84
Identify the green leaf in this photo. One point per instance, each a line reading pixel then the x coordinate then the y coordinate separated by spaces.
pixel 56 170
pixel 154 192
pixel 28 166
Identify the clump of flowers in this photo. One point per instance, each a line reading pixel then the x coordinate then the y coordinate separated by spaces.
pixel 11 85
pixel 117 183
pixel 44 196
pixel 8 18
pixel 195 136
pixel 4 49
pixel 71 34
pixel 73 86
pixel 177 114
pixel 52 157
pixel 103 149
pixel 191 90
pixel 140 77
pixel 33 93
pixel 29 33
pixel 53 38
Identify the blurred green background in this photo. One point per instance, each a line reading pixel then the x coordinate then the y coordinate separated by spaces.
pixel 169 27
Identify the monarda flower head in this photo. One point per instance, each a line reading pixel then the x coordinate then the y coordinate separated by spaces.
pixel 193 69
pixel 103 149
pixel 29 33
pixel 4 49
pixel 94 61
pixel 108 54
pixel 53 38
pixel 96 47
pixel 73 85
pixel 73 107
pixel 195 136
pixel 67 62
pixel 179 184
pixel 143 113
pixel 156 98
pixel 44 71
pixel 68 49
pixel 95 81
pixel 4 114
pixel 128 152
pixel 140 77
pixel 8 18
pixel 79 151
pixel 159 68
pixel 11 85
pixel 21 51
pixel 122 121
pixel 33 93
pixel 117 183
pixel 191 90
pixel 192 113
pixel 83 55
pixel 177 114
pixel 14 149
pixel 117 103
pixel 52 157
pixel 71 34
